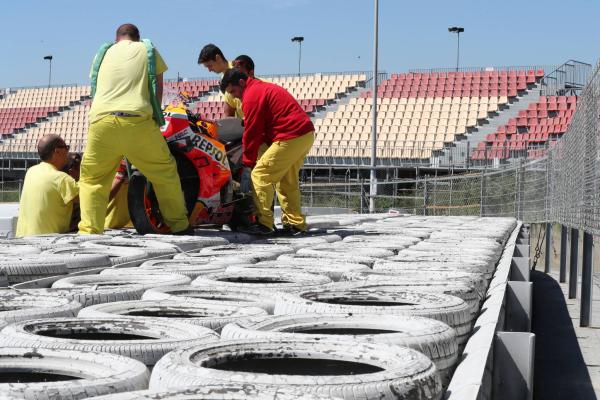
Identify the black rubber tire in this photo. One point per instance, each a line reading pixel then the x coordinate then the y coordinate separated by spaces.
pixel 156 337
pixel 100 373
pixel 401 373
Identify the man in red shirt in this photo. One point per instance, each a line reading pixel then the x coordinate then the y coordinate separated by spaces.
pixel 272 116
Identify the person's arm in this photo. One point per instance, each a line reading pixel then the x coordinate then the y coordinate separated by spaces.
pixel 159 88
pixel 228 110
pixel 254 128
pixel 116 185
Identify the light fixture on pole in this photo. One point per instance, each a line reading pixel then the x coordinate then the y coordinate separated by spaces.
pixel 49 58
pixel 299 39
pixel 458 30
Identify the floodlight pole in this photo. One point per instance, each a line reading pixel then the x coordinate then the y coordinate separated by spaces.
pixel 299 39
pixel 373 180
pixel 457 30
pixel 49 58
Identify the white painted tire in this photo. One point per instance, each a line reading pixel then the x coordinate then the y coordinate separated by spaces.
pixel 332 269
pixel 23 269
pixel 433 338
pixel 117 255
pixel 212 316
pixel 145 340
pixel 188 243
pixel 300 242
pixel 205 258
pixel 93 373
pixel 338 257
pixel 220 392
pixel 78 259
pixel 104 280
pixel 346 248
pixel 16 306
pixel 190 267
pixel 90 295
pixel 382 301
pixel 395 372
pixel 263 279
pixel 154 248
pixel 262 251
pixel 214 295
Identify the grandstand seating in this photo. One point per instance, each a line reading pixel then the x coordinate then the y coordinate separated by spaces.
pixel 543 122
pixel 195 88
pixel 313 92
pixel 419 113
pixel 27 106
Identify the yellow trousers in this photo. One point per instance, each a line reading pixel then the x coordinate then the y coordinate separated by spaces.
pixel 139 139
pixel 280 165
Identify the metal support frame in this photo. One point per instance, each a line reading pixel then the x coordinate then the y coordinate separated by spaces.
pixel 585 318
pixel 563 254
pixel 573 263
pixel 513 366
pixel 519 269
pixel 547 263
pixel 518 306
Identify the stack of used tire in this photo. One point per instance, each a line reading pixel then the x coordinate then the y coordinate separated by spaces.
pixel 366 306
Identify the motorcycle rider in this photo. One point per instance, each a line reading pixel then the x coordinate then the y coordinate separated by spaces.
pixel 274 117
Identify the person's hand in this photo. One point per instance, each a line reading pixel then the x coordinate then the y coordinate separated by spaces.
pixel 246 180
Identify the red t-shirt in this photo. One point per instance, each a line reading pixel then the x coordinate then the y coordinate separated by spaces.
pixel 271 114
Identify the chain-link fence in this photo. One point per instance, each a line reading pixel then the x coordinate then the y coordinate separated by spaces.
pixel 562 186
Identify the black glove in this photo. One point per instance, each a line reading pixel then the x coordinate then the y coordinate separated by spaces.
pixel 246 180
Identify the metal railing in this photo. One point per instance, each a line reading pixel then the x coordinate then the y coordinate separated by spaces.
pixel 566 79
pixel 507 68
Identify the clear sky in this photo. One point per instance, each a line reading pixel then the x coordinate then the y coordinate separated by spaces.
pixel 338 34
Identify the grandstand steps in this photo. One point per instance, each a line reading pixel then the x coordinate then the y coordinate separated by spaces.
pixel 355 92
pixel 461 148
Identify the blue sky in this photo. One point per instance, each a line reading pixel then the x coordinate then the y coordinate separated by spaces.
pixel 338 34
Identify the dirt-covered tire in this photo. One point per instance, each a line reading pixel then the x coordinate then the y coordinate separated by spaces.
pixel 205 258
pixel 464 291
pixel 262 279
pixel 262 251
pixel 396 372
pixel 226 391
pixel 188 243
pixel 16 306
pixel 116 254
pixel 78 259
pixel 474 280
pixel 300 242
pixel 145 340
pixel 332 269
pixel 213 316
pixel 190 267
pixel 338 257
pixel 345 248
pixel 433 338
pixel 90 295
pixel 78 374
pixel 23 269
pixel 154 248
pixel 382 301
pixel 104 280
pixel 214 295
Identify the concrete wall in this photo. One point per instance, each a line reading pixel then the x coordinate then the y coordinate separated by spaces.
pixel 555 248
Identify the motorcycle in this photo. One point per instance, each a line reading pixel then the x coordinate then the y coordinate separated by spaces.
pixel 208 156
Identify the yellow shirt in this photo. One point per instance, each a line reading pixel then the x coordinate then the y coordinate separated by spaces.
pixel 123 81
pixel 46 201
pixel 234 103
pixel 117 214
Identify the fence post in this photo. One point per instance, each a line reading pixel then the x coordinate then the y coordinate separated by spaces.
pixel 481 193
pixel 425 194
pixel 563 254
pixel 585 318
pixel 573 263
pixel 548 247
